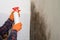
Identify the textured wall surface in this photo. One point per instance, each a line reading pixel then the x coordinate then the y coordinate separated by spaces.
pixel 37 25
pixel 50 10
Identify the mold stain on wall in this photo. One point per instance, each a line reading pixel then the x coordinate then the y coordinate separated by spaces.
pixel 37 25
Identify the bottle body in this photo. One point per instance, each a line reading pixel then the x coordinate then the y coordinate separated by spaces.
pixel 16 18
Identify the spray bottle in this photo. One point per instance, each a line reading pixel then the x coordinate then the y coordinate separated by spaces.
pixel 16 15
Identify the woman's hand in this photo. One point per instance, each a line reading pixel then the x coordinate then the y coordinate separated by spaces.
pixel 12 15
pixel 17 27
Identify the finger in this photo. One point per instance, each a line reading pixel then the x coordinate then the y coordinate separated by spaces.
pixel 12 12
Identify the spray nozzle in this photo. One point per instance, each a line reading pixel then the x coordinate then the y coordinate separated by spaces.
pixel 16 9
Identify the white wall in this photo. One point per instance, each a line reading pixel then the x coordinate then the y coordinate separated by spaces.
pixel 5 9
pixel 51 10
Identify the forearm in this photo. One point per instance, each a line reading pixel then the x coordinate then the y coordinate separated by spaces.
pixel 13 35
pixel 6 26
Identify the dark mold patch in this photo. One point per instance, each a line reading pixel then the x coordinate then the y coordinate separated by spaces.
pixel 37 25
